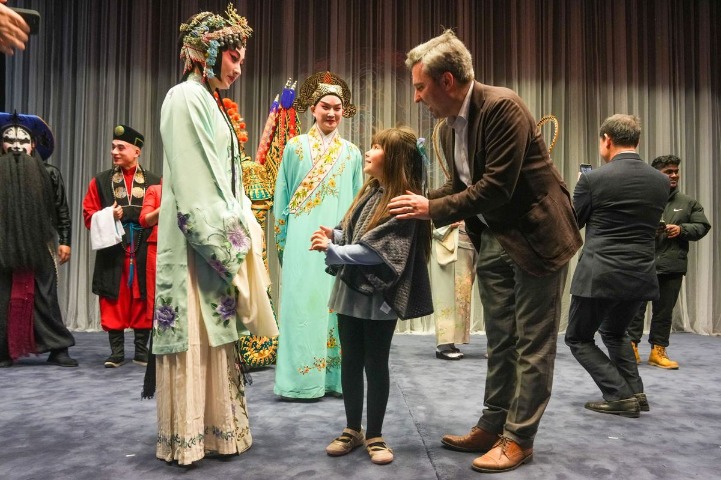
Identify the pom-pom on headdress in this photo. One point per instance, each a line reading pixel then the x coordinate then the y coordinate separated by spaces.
pixel 129 135
pixel 318 86
pixel 206 33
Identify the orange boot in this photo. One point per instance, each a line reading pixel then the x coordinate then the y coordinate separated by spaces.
pixel 658 358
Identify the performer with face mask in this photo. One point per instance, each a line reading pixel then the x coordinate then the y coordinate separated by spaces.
pixel 35 226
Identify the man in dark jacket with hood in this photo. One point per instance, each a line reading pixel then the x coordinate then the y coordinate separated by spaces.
pixel 684 222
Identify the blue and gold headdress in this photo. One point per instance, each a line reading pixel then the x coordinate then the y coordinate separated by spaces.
pixel 206 33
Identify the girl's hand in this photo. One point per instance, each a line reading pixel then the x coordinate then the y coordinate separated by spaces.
pixel 319 241
pixel 327 231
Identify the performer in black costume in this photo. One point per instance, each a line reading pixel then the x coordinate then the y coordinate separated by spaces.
pixel 35 222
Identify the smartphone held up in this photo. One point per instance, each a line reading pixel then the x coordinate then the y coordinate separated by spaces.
pixel 31 17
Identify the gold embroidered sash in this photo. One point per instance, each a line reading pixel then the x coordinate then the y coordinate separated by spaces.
pixel 323 163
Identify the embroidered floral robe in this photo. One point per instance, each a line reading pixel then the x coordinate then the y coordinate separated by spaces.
pixel 314 187
pixel 199 215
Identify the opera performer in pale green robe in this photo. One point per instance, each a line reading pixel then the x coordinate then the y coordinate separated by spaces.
pixel 319 176
pixel 211 282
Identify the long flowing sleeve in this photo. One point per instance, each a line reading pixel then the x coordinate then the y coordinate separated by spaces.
pixel 283 184
pixel 208 213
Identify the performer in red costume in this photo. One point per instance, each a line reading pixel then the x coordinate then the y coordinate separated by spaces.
pixel 149 219
pixel 119 276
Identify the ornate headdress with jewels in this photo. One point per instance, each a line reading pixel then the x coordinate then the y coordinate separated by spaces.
pixel 318 86
pixel 206 33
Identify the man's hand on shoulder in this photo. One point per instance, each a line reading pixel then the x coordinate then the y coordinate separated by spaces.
pixel 409 206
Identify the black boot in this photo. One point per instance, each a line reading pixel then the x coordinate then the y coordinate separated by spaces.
pixel 142 335
pixel 61 357
pixel 117 349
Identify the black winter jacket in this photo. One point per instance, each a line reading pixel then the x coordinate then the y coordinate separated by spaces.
pixel 672 253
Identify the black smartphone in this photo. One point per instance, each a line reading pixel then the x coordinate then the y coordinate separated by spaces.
pixel 31 17
pixel 586 167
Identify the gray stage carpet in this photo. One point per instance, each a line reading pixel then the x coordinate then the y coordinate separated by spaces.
pixel 89 422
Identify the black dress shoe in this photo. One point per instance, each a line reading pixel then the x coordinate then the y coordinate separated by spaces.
pixel 6 363
pixel 642 402
pixel 449 354
pixel 61 357
pixel 627 407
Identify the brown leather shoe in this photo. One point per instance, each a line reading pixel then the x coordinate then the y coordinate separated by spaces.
pixel 505 455
pixel 478 440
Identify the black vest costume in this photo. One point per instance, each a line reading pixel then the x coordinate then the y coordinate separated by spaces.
pixel 109 261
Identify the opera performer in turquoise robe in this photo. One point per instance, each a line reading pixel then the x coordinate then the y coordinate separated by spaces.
pixel 319 176
pixel 211 282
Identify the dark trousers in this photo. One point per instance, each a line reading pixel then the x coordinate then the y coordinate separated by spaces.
pixel 661 312
pixel 522 314
pixel 48 326
pixel 366 344
pixel 616 374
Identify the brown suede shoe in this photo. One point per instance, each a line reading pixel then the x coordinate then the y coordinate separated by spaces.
pixel 478 440
pixel 505 455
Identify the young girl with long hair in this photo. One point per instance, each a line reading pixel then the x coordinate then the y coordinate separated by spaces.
pixel 380 264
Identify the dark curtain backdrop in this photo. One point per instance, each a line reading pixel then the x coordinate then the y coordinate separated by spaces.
pixel 96 63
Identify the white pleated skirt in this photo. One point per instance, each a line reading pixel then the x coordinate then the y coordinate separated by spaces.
pixel 200 399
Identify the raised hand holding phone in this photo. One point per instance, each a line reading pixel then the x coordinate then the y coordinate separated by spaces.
pixel 14 30
pixel 31 18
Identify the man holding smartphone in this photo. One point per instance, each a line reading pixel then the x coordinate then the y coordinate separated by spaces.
pixel 14 30
pixel 620 205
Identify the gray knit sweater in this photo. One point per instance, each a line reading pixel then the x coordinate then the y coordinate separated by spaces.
pixel 402 278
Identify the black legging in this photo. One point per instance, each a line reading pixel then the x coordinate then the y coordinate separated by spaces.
pixel 365 344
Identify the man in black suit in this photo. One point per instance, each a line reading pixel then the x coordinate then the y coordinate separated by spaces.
pixel 620 204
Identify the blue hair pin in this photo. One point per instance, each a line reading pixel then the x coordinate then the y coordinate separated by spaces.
pixel 421 146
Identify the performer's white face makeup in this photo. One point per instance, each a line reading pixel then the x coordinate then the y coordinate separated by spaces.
pixel 125 155
pixel 328 113
pixel 17 139
pixel 374 160
pixel 230 69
